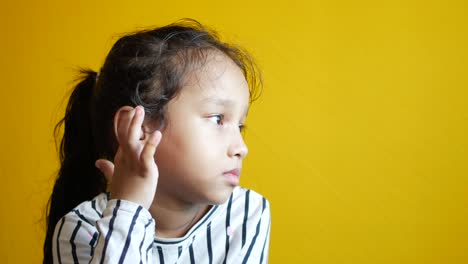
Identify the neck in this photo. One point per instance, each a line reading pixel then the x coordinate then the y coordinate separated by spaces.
pixel 175 218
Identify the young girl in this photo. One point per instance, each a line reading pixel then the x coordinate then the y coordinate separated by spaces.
pixel 159 127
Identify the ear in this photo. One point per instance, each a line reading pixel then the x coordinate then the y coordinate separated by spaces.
pixel 117 121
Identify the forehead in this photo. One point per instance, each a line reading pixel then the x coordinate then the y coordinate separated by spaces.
pixel 218 81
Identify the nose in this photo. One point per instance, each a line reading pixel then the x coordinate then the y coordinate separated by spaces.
pixel 238 148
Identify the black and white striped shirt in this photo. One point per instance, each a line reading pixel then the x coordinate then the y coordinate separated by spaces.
pixel 119 231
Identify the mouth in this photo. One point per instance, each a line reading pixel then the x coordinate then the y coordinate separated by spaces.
pixel 232 176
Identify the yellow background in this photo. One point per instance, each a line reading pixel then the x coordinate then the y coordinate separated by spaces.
pixel 359 140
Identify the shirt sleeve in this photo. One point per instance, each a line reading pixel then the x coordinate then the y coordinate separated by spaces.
pixel 124 234
pixel 257 248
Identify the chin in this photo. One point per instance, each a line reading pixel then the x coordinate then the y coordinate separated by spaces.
pixel 220 197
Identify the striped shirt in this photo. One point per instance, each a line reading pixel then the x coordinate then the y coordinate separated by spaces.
pixel 120 231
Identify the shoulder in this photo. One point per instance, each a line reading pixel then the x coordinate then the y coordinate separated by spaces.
pixel 248 197
pixel 247 204
pixel 246 225
pixel 88 212
pixel 80 223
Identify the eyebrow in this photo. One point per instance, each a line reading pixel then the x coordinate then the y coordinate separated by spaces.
pixel 221 102
pixel 218 101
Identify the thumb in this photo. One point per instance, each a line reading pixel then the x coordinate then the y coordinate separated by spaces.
pixel 107 168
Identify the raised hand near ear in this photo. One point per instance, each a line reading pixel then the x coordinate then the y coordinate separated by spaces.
pixel 134 174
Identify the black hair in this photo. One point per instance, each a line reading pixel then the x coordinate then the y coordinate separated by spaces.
pixel 143 68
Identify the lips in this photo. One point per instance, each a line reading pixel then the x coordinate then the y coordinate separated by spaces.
pixel 232 177
pixel 234 172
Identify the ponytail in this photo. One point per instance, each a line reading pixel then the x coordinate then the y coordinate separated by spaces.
pixel 78 179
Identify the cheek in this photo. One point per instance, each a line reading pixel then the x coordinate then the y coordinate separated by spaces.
pixel 187 146
pixel 189 143
pixel 201 144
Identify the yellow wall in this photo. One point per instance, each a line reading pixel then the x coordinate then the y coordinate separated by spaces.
pixel 359 141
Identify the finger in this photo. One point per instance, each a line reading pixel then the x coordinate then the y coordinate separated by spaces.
pixel 106 167
pixel 147 154
pixel 123 121
pixel 135 130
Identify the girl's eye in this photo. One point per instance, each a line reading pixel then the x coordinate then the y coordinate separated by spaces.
pixel 217 119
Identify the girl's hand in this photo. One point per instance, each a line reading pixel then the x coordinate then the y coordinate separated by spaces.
pixel 134 176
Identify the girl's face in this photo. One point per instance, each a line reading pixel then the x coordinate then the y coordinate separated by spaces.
pixel 201 151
